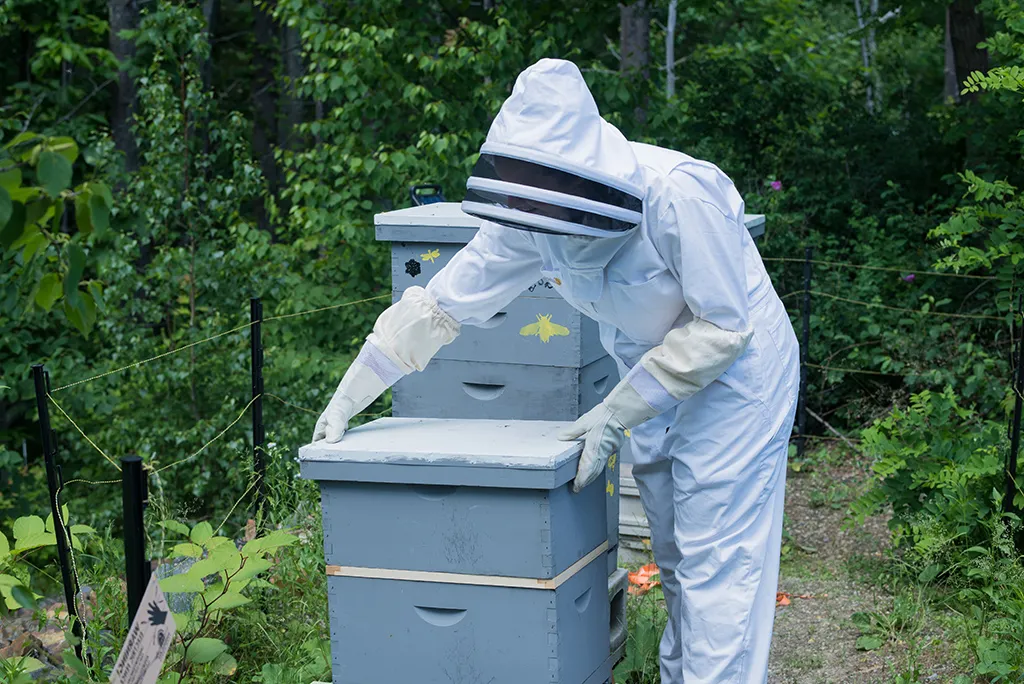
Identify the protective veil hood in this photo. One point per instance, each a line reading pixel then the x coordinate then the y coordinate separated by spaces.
pixel 551 164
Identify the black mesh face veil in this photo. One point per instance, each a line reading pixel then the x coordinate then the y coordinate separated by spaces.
pixel 530 196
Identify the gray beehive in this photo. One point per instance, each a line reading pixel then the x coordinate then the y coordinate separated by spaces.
pixel 470 559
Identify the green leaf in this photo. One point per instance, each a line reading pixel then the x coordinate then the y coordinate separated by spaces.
pixel 187 551
pixel 6 206
pixel 5 546
pixel 204 650
pixel 72 661
pixel 869 642
pixel 10 178
pixel 8 581
pixel 64 516
pixel 174 526
pixel 225 665
pixel 253 567
pixel 25 195
pixel 28 526
pixel 929 573
pixel 201 533
pixel 24 664
pixel 96 290
pixel 65 147
pixel 23 596
pixel 271 541
pixel 82 529
pixel 83 214
pixel 184 583
pixel 229 600
pixel 100 214
pixel 76 267
pixel 54 172
pixel 40 211
pixel 81 311
pixel 101 190
pixel 34 242
pixel 48 292
pixel 21 139
pixel 35 541
pixel 10 233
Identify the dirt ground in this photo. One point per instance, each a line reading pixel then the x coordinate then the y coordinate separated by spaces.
pixel 830 574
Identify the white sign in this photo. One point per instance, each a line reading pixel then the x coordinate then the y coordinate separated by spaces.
pixel 149 639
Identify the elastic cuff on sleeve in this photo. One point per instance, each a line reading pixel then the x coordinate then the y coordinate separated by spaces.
pixel 377 361
pixel 650 390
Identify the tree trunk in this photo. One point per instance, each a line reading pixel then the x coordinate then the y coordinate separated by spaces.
pixel 635 44
pixel 25 51
pixel 292 105
pixel 124 16
pixel 865 58
pixel 211 12
pixel 670 51
pixel 876 74
pixel 951 89
pixel 264 100
pixel 966 31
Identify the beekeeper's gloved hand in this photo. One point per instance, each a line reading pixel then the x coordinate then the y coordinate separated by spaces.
pixel 688 359
pixel 358 389
pixel 604 430
pixel 405 337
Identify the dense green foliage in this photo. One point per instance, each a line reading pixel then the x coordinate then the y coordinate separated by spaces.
pixel 266 135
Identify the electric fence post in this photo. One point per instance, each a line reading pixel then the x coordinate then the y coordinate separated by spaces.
pixel 258 435
pixel 134 497
pixel 54 481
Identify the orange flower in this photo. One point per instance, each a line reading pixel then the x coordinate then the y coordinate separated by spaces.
pixel 781 598
pixel 642 581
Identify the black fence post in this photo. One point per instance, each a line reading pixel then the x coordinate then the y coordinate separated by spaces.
pixel 258 436
pixel 1018 404
pixel 805 340
pixel 134 495
pixel 54 481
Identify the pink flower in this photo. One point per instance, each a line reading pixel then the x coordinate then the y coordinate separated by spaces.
pixel 909 278
pixel 776 185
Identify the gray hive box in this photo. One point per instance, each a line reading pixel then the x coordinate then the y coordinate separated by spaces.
pixel 458 547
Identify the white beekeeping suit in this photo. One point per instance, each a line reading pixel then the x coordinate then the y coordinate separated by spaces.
pixel 651 244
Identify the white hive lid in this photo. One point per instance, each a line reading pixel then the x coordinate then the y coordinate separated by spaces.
pixel 483 453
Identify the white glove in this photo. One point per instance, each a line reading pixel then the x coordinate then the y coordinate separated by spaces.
pixel 688 360
pixel 404 338
pixel 358 389
pixel 604 437
pixel 603 428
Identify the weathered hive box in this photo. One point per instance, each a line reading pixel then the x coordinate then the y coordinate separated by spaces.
pixel 457 553
pixel 475 389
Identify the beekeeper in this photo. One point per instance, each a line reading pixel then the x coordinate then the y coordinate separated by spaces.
pixel 651 244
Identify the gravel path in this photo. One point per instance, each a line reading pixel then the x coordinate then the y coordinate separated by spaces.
pixel 832 568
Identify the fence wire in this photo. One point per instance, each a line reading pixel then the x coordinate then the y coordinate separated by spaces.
pixel 900 309
pixel 143 362
pixel 205 446
pixel 82 432
pixel 865 267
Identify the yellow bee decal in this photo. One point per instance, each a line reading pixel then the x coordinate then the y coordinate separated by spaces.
pixel 431 255
pixel 544 329
pixel 612 460
pixel 610 489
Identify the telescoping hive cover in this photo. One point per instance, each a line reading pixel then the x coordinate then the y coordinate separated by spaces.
pixel 483 453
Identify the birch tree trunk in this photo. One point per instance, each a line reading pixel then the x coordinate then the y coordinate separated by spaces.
pixel 670 51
